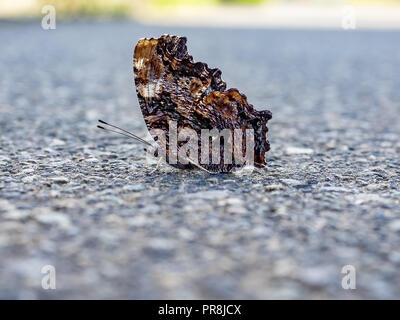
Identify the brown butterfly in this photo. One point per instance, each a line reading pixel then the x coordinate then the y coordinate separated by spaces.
pixel 176 93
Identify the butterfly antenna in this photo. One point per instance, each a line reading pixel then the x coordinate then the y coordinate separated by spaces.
pixel 124 132
pixel 135 137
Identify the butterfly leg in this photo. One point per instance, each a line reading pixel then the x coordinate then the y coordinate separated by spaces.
pixel 199 166
pixel 157 166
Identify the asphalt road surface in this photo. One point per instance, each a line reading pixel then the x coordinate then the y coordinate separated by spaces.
pixel 88 203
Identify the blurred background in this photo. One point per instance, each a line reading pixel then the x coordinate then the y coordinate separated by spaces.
pixel 226 13
pixel 90 205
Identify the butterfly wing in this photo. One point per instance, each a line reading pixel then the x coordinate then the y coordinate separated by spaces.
pixel 172 87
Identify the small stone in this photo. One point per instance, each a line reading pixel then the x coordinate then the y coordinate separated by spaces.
pixel 201 206
pixel 4 158
pixel 109 155
pixel 330 145
pixel 366 198
pixel 27 171
pixel 57 143
pixel 230 201
pixel 274 187
pixel 209 195
pixel 134 187
pixel 186 234
pixel 16 215
pixel 53 218
pixel 60 180
pixel 296 150
pixel 259 231
pixel 150 209
pixel 29 179
pixel 303 186
pixel 377 186
pixel 395 225
pixel 395 257
pixel 6 206
pixel 139 221
pixel 317 276
pixel 159 247
pixel 334 189
pixel 236 210
pixel 291 182
pixel 213 180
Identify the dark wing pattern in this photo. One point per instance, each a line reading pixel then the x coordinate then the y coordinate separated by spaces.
pixel 172 87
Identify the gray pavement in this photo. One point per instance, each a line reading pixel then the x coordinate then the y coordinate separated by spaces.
pixel 87 203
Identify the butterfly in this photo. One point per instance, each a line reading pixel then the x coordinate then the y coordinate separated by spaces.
pixel 174 90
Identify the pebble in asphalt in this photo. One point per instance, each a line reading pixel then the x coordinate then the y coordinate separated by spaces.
pixel 86 202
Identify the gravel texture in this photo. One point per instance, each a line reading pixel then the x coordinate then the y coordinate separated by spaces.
pixel 89 204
